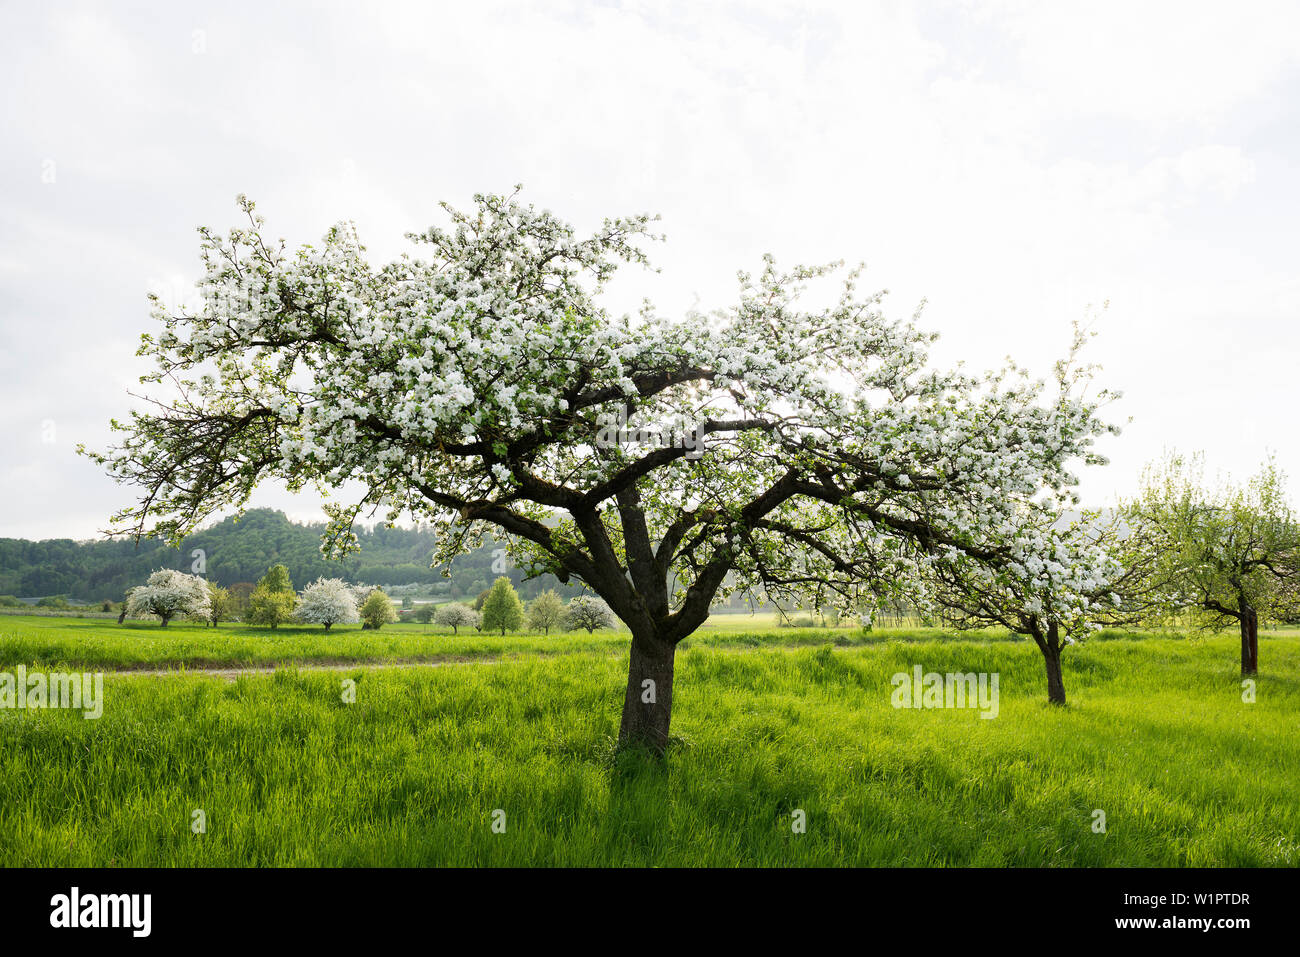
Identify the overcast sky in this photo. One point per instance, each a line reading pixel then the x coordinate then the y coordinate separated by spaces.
pixel 1010 162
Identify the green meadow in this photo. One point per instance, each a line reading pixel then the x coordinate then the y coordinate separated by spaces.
pixel 773 729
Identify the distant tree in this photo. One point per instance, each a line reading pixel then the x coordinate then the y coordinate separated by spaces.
pixel 502 608
pixel 240 593
pixel 455 615
pixel 545 612
pixel 1083 585
pixel 9 601
pixel 424 614
pixel 587 611
pixel 106 605
pixel 377 610
pixel 482 597
pixel 220 604
pixel 272 601
pixel 1226 555
pixel 277 579
pixel 53 601
pixel 168 593
pixel 327 601
pixel 266 607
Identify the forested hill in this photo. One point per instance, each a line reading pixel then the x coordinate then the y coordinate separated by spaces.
pixel 236 551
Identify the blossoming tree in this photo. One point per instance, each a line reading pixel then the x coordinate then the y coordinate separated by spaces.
pixel 589 612
pixel 1094 571
pixel 327 601
pixel 168 593
pixel 780 446
pixel 456 616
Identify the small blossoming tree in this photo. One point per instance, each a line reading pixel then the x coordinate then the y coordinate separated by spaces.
pixel 480 386
pixel 327 601
pixel 169 593
pixel 456 616
pixel 589 612
pixel 1054 597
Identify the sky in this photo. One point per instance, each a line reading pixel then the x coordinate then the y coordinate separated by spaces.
pixel 1014 164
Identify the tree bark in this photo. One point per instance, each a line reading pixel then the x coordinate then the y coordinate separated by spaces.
pixel 1249 640
pixel 1055 684
pixel 1049 643
pixel 648 704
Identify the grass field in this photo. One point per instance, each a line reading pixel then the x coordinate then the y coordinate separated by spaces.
pixel 286 773
pixel 104 644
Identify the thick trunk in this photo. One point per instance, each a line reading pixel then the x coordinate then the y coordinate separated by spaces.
pixel 1055 684
pixel 1249 640
pixel 1049 643
pixel 327 625
pixel 648 704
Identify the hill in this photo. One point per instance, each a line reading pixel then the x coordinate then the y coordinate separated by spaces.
pixel 241 551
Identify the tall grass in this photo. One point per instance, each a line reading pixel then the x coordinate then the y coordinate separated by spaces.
pixel 1156 736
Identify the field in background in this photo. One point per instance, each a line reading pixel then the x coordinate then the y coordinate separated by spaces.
pixel 1156 735
pixel 106 645
pixel 95 644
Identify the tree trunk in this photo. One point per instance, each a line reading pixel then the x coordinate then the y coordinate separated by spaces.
pixel 1049 643
pixel 1249 641
pixel 648 704
pixel 327 625
pixel 1055 684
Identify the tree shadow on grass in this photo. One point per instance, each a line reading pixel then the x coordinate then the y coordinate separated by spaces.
pixel 640 794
